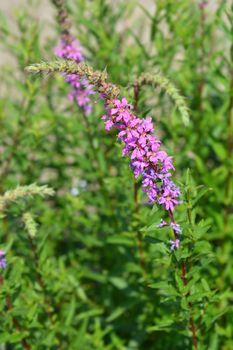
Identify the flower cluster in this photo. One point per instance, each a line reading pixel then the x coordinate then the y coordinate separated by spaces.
pixel 177 231
pixel 147 158
pixel 80 89
pixel 2 259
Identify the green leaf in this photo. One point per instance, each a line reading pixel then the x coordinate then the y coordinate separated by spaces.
pixel 165 287
pixel 116 314
pixel 153 240
pixel 118 282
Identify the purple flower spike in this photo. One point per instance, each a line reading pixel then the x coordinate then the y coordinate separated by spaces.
pixel 2 259
pixel 175 244
pixel 147 158
pixel 80 89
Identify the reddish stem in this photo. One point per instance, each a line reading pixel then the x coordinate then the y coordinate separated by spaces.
pixel 202 25
pixel 229 147
pixel 185 281
pixel 136 207
pixel 16 323
pixel 63 20
pixel 136 97
pixel 40 279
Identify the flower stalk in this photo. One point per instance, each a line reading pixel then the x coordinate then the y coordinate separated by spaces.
pixel 158 80
pixel 147 160
pixel 96 78
pixel 21 192
pixel 229 142
pixel 63 20
pixel 69 48
pixel 25 344
pixel 31 228
pixel 135 187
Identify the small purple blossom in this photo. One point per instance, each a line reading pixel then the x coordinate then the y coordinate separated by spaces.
pixel 2 259
pixel 176 228
pixel 80 89
pixel 168 199
pixel 162 224
pixel 175 244
pixel 169 195
pixel 69 50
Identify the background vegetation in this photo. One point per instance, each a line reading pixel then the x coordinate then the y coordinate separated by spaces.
pixel 87 268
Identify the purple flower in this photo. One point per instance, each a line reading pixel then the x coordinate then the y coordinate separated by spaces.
pixel 176 228
pixel 80 89
pixel 175 244
pixel 70 51
pixel 108 125
pixel 2 259
pixel 162 224
pixel 168 199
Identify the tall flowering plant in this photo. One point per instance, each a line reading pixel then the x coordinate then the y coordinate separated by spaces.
pixel 144 150
pixel 147 159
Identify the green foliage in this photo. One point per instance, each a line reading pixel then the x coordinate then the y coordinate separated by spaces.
pixel 87 267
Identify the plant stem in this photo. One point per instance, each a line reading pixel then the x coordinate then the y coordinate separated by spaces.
pixel 62 17
pixel 24 107
pixel 49 306
pixel 184 270
pixel 16 323
pixel 96 167
pixel 139 234
pixel 65 26
pixel 90 137
pixel 136 206
pixel 229 143
pixel 158 80
pixel 192 323
pixel 202 58
pixel 39 277
pixel 136 97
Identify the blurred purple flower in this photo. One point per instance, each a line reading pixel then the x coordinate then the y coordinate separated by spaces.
pixel 69 50
pixel 2 259
pixel 176 227
pixel 80 89
pixel 162 224
pixel 175 244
